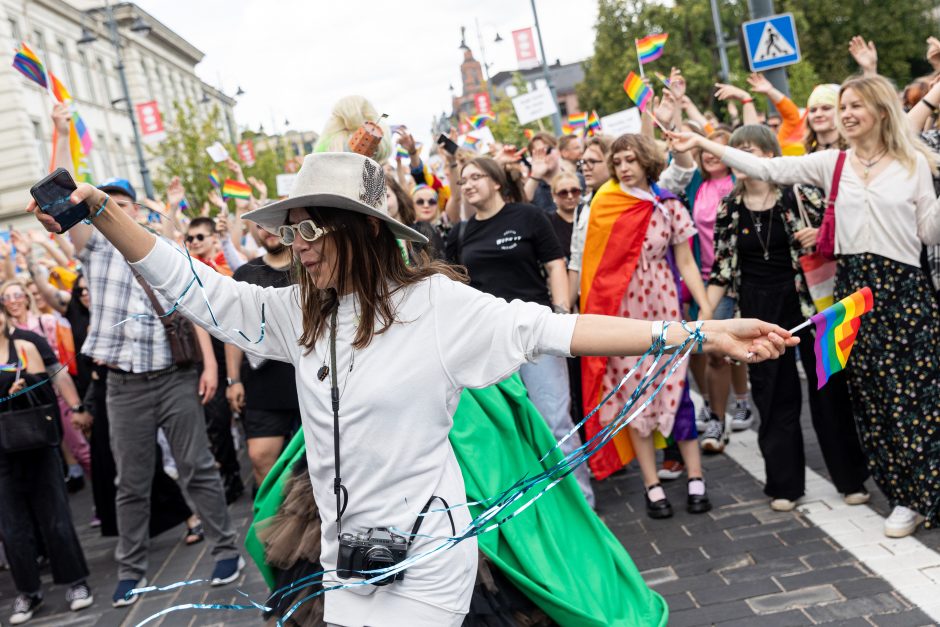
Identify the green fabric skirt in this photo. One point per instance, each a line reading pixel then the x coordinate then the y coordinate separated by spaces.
pixel 558 552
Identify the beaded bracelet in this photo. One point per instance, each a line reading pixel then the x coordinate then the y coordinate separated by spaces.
pixel 104 203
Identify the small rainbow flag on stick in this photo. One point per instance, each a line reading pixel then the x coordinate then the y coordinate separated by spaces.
pixel 402 153
pixel 236 189
pixel 215 179
pixel 29 65
pixel 578 120
pixel 650 47
pixel 471 142
pixel 594 123
pixel 639 92
pixel 480 120
pixel 836 329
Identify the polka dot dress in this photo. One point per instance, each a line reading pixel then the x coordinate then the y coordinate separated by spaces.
pixel 894 378
pixel 651 295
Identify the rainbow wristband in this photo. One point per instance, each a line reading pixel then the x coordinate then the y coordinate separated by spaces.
pixel 104 203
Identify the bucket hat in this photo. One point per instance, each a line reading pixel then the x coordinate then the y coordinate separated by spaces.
pixel 343 181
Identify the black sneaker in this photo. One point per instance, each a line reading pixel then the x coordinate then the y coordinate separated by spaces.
pixel 714 438
pixel 702 418
pixel 227 571
pixel 23 607
pixel 121 598
pixel 743 417
pixel 79 597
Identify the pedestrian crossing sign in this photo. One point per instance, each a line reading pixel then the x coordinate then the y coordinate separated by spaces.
pixel 771 42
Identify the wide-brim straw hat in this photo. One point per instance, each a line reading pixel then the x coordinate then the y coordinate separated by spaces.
pixel 343 181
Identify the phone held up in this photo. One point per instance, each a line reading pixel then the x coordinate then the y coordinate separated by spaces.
pixel 52 194
pixel 447 144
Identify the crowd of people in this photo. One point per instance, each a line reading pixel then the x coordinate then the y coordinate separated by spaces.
pixel 455 270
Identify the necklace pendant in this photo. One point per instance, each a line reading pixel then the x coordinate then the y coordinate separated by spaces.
pixel 766 255
pixel 323 372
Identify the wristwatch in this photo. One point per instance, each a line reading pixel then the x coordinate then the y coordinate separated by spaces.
pixel 78 409
pixel 231 381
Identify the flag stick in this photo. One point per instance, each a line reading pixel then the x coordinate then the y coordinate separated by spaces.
pixel 655 121
pixel 636 44
pixel 800 327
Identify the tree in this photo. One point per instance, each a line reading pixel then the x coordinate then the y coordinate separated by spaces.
pixel 506 128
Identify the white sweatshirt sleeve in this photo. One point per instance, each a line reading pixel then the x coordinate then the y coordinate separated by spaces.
pixel 675 178
pixel 482 339
pixel 815 169
pixel 237 306
pixel 927 205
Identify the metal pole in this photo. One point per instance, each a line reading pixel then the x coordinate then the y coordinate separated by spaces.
pixel 116 42
pixel 556 117
pixel 486 67
pixel 777 76
pixel 722 45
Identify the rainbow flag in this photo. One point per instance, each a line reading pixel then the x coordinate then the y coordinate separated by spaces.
pixel 528 133
pixel 651 47
pixel 28 64
pixel 662 78
pixel 480 120
pixel 578 120
pixel 639 92
pixel 215 179
pixel 236 189
pixel 836 329
pixel 80 143
pixel 593 123
pixel 471 142
pixel 401 152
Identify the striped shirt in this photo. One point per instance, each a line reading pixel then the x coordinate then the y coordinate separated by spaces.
pixel 138 345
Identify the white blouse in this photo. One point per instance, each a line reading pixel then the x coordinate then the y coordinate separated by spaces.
pixel 398 397
pixel 890 216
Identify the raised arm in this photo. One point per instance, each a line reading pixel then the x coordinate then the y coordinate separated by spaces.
pixel 925 107
pixel 928 206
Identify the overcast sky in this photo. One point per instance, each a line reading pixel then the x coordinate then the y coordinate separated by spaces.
pixel 294 58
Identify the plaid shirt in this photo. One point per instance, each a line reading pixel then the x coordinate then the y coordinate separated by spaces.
pixel 139 345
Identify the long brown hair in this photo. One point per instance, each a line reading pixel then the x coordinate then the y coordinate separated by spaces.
pixel 406 206
pixel 370 266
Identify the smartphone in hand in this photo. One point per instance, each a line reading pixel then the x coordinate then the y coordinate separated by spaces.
pixel 447 144
pixel 52 195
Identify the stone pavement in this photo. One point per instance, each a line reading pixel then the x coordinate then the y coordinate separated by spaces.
pixel 740 564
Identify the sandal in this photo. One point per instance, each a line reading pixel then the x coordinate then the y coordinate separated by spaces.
pixel 194 535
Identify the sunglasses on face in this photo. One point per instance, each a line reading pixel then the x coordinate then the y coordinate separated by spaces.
pixel 430 202
pixel 572 192
pixel 15 297
pixel 197 237
pixel 307 229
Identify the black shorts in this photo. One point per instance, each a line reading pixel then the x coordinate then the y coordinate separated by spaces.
pixel 270 423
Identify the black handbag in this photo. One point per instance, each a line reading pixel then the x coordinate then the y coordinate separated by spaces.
pixel 31 420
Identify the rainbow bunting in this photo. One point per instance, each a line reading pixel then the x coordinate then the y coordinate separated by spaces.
pixel 28 64
pixel 480 120
pixel 836 329
pixel 401 152
pixel 651 47
pixel 236 189
pixel 471 142
pixel 639 92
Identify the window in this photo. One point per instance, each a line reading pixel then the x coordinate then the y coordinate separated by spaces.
pixel 89 82
pixel 42 147
pixel 148 84
pixel 105 81
pixel 102 147
pixel 67 63
pixel 15 36
pixel 38 45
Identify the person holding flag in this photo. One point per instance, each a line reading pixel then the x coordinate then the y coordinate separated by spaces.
pixel 885 209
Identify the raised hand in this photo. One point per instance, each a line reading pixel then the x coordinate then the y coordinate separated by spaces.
pixel 540 165
pixel 175 192
pixel 406 140
pixel 933 52
pixel 217 200
pixel 21 243
pixel 677 83
pixel 864 53
pixel 725 92
pixel 665 108
pixel 60 118
pixel 83 193
pixel 221 224
pixel 259 185
pixel 759 83
pixel 683 141
pixel 236 169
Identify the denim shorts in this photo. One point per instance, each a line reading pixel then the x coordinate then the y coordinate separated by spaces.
pixel 725 309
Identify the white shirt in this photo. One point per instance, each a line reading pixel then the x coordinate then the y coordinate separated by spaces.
pixel 890 217
pixel 396 409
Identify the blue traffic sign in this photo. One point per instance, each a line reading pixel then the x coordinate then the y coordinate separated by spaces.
pixel 771 42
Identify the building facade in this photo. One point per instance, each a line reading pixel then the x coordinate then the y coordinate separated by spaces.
pixel 565 78
pixel 159 65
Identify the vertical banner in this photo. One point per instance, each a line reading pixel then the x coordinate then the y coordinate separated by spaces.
pixel 525 48
pixel 150 121
pixel 246 152
pixel 482 102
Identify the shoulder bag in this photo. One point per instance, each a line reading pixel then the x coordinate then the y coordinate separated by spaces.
pixel 826 239
pixel 30 421
pixel 180 332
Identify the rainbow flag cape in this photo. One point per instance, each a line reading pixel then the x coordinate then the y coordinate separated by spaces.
pixel 236 189
pixel 615 235
pixel 215 179
pixel 593 123
pixel 480 120
pixel 639 92
pixel 836 329
pixel 651 47
pixel 28 64
pixel 80 143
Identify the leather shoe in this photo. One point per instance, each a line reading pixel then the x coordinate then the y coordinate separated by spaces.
pixel 698 503
pixel 657 509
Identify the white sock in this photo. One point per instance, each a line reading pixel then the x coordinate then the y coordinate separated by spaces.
pixel 656 493
pixel 696 487
pixel 741 400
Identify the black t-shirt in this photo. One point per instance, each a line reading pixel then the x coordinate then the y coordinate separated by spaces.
pixel 563 230
pixel 272 386
pixel 504 254
pixel 755 270
pixel 49 358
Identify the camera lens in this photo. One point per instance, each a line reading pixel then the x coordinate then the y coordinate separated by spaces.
pixel 377 558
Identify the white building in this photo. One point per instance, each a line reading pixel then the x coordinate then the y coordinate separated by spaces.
pixel 159 65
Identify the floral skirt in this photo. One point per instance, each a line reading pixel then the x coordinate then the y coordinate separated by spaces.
pixel 894 378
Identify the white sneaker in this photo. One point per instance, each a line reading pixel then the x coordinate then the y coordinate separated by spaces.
pixel 782 505
pixel 743 417
pixel 702 418
pixel 902 522
pixel 856 498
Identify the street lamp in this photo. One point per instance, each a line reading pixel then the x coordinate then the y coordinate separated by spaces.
pixel 141 27
pixel 556 117
pixel 486 66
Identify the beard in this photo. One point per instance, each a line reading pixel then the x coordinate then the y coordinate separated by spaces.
pixel 273 249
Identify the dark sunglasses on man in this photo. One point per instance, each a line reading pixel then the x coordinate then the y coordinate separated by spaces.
pixel 198 237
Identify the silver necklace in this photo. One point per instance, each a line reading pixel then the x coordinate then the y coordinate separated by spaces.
pixel 757 227
pixel 868 165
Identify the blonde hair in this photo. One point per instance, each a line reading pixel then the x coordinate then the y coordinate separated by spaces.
pixel 30 303
pixel 895 133
pixel 348 114
pixel 564 176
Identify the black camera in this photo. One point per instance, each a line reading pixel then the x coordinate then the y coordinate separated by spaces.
pixel 379 548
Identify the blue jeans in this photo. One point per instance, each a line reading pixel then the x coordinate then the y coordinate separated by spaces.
pixel 547 383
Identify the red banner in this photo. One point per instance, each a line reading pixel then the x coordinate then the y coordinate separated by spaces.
pixel 150 121
pixel 525 48
pixel 482 101
pixel 246 152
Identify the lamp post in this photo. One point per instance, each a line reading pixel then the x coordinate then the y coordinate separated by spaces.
pixel 486 66
pixel 556 117
pixel 139 26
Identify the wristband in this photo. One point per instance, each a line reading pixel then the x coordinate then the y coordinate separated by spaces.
pixel 656 332
pixel 104 203
pixel 231 381
pixel 78 409
pixel 747 101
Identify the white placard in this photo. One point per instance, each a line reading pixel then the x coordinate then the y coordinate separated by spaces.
pixel 622 122
pixel 217 152
pixel 534 105
pixel 284 184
